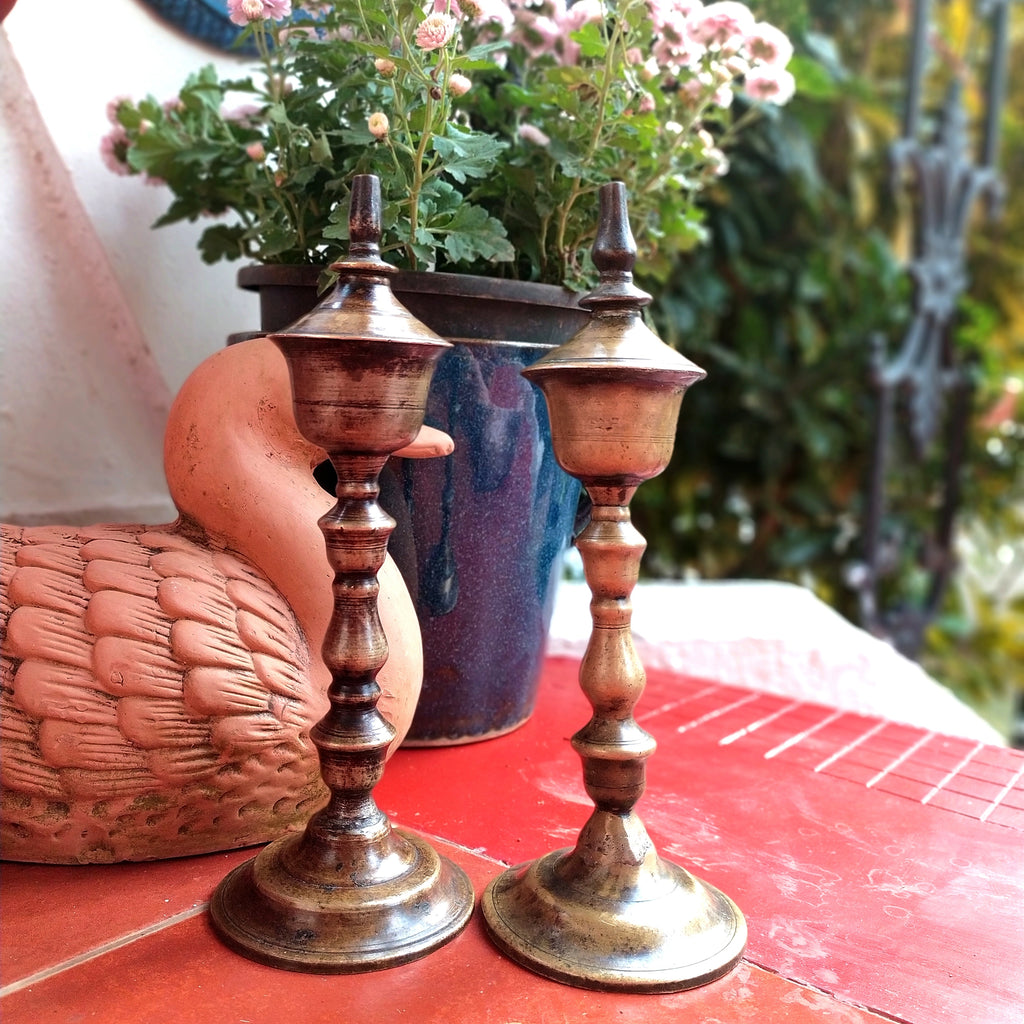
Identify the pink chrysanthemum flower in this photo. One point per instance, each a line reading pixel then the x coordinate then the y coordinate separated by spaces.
pixel 675 50
pixel 435 30
pixel 114 150
pixel 769 45
pixel 771 85
pixel 241 12
pixel 538 34
pixel 724 25
pixel 668 13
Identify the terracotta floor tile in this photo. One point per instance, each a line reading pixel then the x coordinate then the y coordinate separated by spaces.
pixel 50 913
pixel 184 975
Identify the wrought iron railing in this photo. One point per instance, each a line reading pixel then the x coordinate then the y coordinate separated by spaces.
pixel 923 388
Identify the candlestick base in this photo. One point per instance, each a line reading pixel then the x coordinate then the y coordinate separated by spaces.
pixel 628 922
pixel 344 907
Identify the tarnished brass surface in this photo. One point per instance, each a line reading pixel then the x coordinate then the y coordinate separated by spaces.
pixel 394 901
pixel 351 893
pixel 611 913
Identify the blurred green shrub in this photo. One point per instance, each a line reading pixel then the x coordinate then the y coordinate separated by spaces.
pixel 806 265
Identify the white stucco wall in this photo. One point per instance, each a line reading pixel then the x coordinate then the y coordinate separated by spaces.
pixel 101 317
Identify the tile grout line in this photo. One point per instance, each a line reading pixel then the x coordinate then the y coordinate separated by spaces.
pixel 878 727
pixel 909 752
pixel 952 775
pixel 107 947
pixel 673 704
pixel 718 711
pixel 754 726
pixel 794 740
pixel 1002 793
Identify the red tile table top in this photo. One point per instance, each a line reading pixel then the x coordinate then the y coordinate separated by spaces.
pixel 880 869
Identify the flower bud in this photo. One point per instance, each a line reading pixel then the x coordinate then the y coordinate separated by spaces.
pixel 718 163
pixel 114 106
pixel 384 66
pixel 531 133
pixel 378 124
pixel 459 85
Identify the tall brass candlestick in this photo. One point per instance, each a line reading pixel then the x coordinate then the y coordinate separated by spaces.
pixel 611 913
pixel 351 893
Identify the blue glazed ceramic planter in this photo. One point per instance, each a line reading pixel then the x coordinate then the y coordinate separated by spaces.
pixel 490 525
pixel 480 534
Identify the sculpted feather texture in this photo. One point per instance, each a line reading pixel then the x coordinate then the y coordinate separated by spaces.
pixel 158 683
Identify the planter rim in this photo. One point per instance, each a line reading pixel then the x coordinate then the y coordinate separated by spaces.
pixel 534 293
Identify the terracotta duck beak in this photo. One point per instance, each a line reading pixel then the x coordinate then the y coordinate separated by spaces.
pixel 428 444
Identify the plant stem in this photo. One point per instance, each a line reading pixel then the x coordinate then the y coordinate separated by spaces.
pixel 613 59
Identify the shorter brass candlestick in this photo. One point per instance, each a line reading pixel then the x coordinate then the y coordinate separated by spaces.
pixel 611 913
pixel 351 893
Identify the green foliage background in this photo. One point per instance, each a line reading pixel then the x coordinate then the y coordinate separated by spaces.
pixel 807 264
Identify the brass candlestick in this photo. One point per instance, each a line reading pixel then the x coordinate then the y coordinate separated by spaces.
pixel 351 893
pixel 611 913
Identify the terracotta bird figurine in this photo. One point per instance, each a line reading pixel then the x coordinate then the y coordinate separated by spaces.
pixel 158 683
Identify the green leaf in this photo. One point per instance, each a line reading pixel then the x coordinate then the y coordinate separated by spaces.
pixel 812 79
pixel 473 234
pixel 466 153
pixel 591 40
pixel 222 242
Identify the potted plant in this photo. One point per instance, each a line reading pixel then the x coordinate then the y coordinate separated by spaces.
pixel 491 125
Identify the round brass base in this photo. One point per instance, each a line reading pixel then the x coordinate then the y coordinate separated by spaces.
pixel 307 910
pixel 661 930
